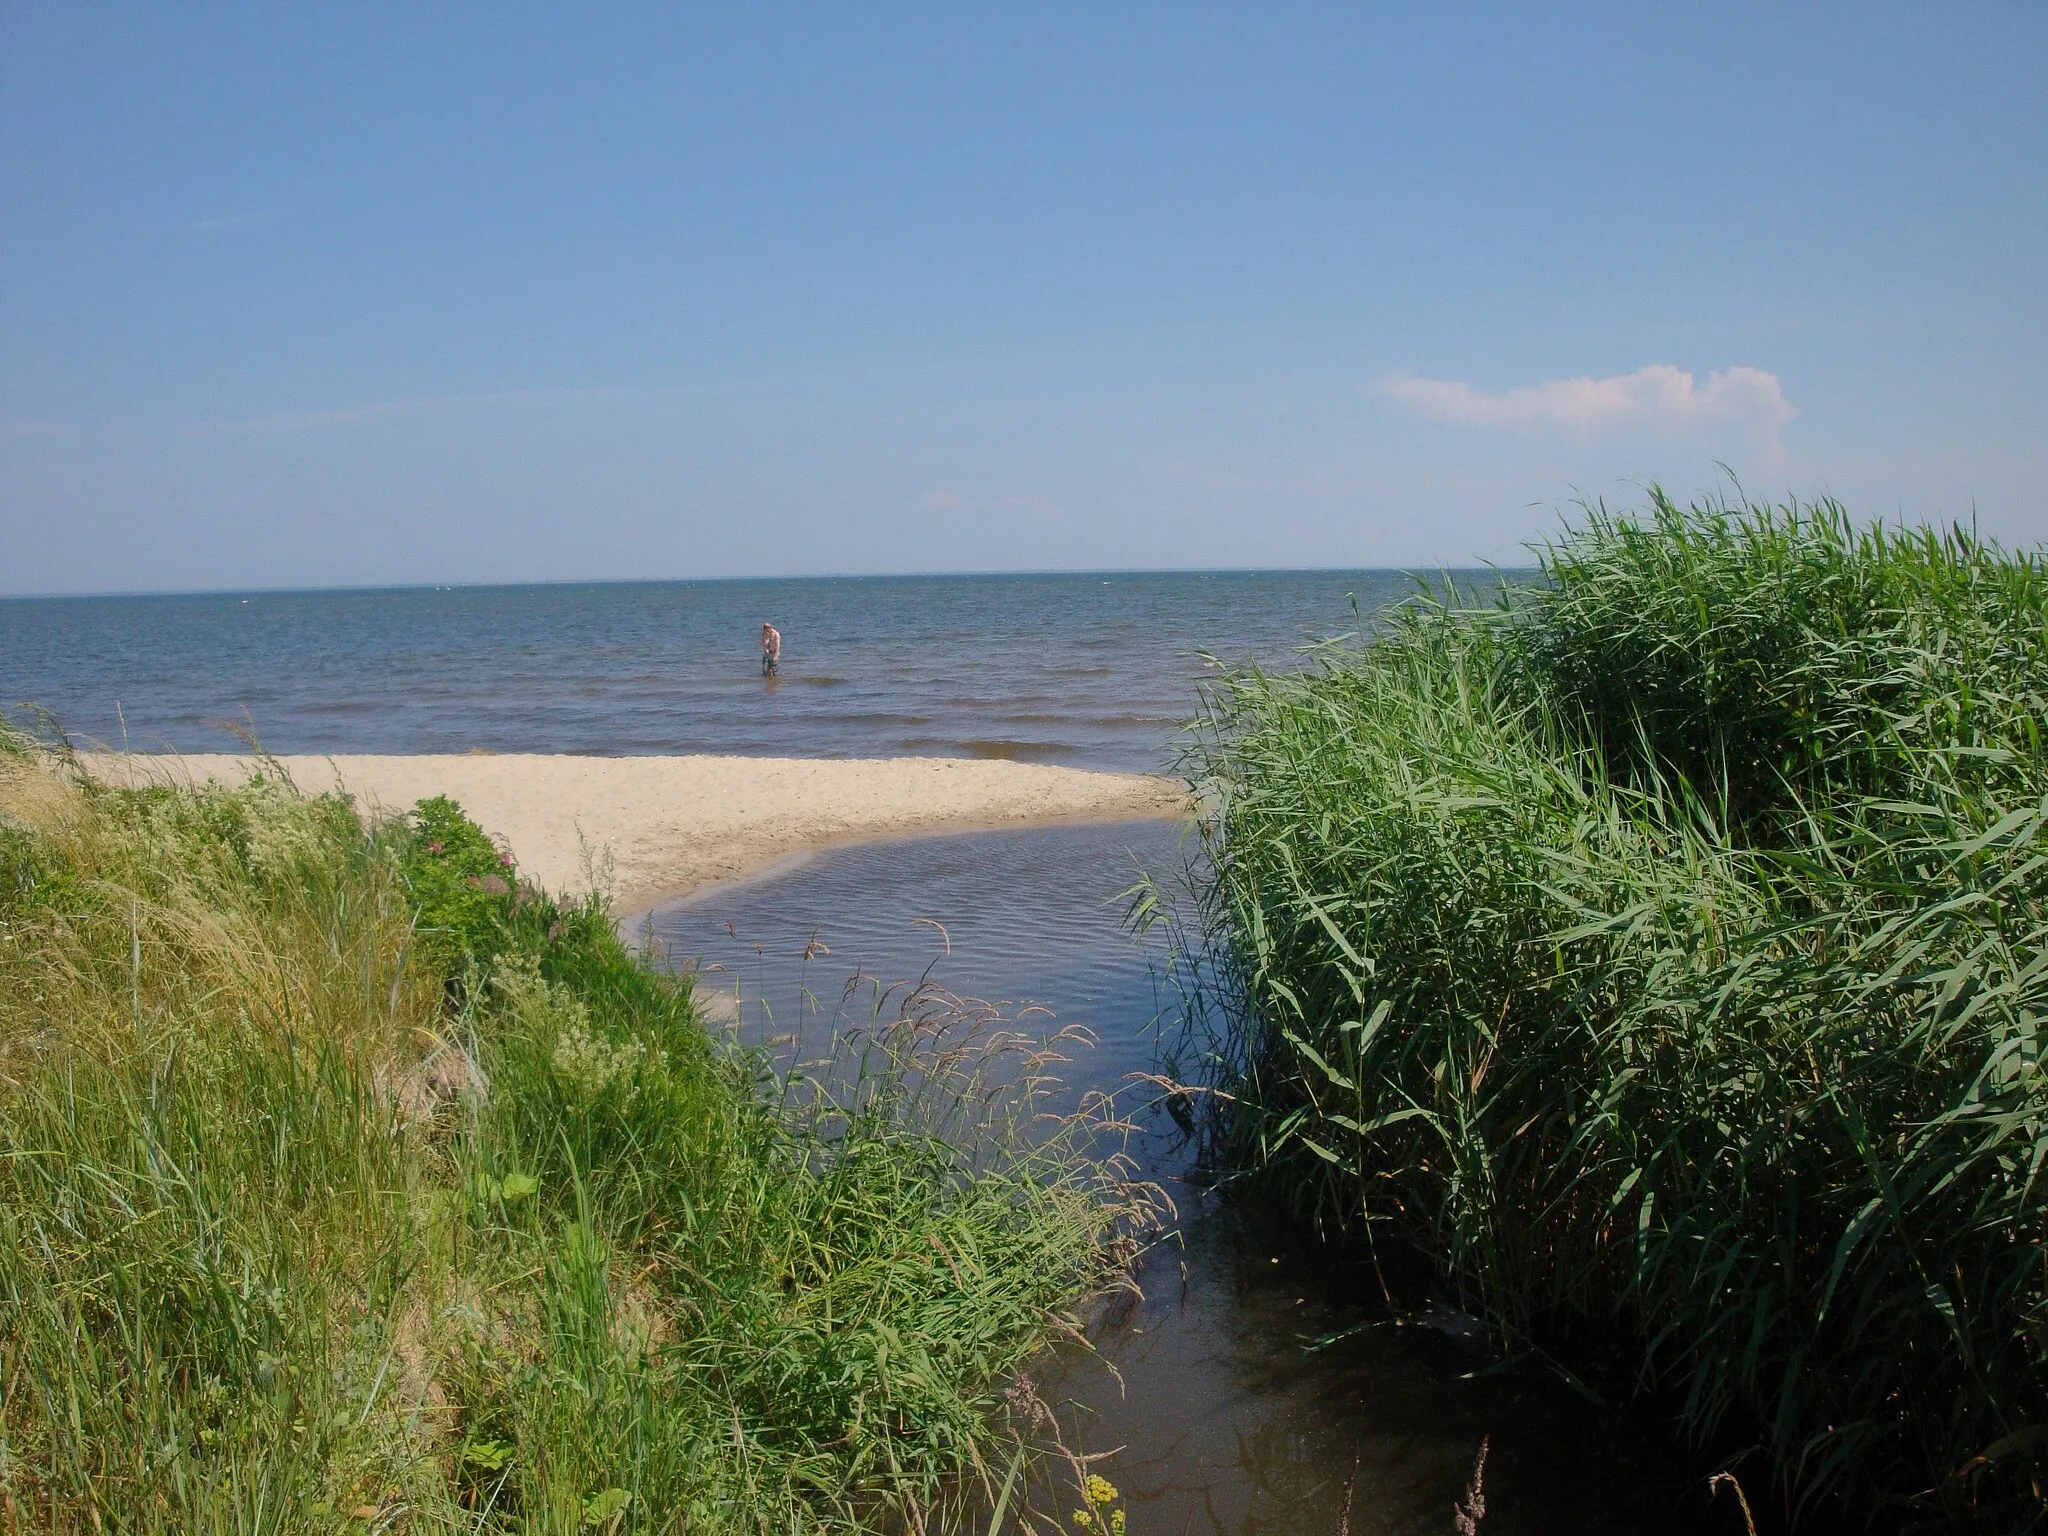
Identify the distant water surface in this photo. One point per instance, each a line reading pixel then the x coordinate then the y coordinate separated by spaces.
pixel 1093 670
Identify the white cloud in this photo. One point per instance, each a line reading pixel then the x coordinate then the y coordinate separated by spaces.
pixel 1658 395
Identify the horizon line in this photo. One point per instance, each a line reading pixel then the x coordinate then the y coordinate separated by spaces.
pixel 669 581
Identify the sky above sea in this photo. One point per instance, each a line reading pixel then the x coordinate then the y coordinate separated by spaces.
pixel 327 296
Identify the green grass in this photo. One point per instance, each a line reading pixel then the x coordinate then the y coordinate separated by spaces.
pixel 1660 946
pixel 346 1183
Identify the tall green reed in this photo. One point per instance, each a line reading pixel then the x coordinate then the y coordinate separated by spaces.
pixel 1661 947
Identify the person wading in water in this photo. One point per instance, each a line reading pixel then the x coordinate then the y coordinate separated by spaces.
pixel 771 650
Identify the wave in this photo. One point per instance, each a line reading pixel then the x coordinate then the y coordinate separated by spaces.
pixel 1078 717
pixel 1000 749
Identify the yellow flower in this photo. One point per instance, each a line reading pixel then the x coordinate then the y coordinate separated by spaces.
pixel 1099 1491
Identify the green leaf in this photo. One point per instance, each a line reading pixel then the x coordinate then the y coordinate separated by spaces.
pixel 491 1455
pixel 601 1508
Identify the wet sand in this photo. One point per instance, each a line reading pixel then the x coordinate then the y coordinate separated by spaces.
pixel 655 828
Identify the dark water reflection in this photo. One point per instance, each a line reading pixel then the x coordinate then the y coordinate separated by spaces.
pixel 1228 1419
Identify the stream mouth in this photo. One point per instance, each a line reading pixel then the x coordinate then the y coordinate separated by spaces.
pixel 1262 1386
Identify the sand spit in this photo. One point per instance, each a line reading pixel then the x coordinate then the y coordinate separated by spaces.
pixel 668 825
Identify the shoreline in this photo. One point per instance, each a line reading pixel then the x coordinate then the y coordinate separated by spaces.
pixel 651 830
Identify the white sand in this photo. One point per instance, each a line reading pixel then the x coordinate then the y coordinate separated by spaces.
pixel 670 824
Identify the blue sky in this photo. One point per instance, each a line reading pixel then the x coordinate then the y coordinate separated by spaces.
pixel 310 295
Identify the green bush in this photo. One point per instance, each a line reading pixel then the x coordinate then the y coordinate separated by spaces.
pixel 1661 947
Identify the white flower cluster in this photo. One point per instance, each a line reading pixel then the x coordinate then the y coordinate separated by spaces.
pixel 592 1063
pixel 583 1058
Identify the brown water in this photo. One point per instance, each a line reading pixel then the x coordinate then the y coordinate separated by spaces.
pixel 1229 1417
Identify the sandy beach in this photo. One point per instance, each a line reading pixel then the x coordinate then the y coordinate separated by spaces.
pixel 659 827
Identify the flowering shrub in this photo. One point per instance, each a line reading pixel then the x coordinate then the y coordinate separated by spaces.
pixel 461 884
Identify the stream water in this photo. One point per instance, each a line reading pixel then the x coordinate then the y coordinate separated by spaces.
pixel 1224 1413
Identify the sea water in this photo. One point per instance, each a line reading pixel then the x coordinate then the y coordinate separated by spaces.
pixel 1093 670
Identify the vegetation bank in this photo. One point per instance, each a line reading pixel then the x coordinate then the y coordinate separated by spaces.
pixel 348 1182
pixel 1660 947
